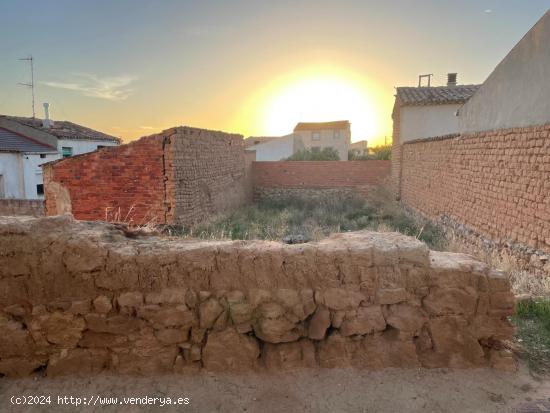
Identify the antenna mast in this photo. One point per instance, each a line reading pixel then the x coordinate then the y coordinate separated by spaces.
pixel 30 85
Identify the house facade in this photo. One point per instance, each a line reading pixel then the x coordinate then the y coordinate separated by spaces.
pixel 27 143
pixel 321 135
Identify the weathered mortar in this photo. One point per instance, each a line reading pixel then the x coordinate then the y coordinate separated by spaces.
pixel 80 297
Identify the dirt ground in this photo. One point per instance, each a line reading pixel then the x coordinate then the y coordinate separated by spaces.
pixel 320 390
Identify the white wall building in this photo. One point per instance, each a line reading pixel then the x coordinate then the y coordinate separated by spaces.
pixel 274 149
pixel 425 112
pixel 517 92
pixel 27 143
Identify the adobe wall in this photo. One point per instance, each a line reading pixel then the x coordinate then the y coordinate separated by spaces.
pixel 32 207
pixel 81 297
pixel 181 176
pixel 309 178
pixel 496 184
pixel 209 173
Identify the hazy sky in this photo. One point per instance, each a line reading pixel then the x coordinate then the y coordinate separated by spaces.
pixel 131 67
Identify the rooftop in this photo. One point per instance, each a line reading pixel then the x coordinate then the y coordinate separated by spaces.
pixel 13 142
pixel 63 129
pixel 254 140
pixel 339 124
pixel 439 95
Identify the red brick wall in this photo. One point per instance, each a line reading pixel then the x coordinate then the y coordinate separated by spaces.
pixel 181 176
pixel 124 183
pixel 496 183
pixel 320 174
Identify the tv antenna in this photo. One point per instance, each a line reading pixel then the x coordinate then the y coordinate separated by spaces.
pixel 31 84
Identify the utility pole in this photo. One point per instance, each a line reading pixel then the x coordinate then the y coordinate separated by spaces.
pixel 30 85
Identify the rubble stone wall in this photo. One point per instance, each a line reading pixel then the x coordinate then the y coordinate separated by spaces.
pixel 495 183
pixel 82 297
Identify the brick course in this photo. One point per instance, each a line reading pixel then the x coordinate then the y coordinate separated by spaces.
pixel 496 183
pixel 356 175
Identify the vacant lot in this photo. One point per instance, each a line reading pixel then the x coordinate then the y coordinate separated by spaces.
pixel 298 218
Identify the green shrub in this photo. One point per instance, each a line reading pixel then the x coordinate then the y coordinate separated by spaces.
pixel 532 320
pixel 326 154
pixel 377 153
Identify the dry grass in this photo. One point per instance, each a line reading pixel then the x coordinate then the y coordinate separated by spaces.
pixel 523 282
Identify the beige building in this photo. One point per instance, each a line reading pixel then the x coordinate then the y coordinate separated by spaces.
pixel 322 135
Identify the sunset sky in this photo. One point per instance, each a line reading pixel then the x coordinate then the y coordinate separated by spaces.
pixel 130 68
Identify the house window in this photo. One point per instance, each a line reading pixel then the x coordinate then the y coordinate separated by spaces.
pixel 66 151
pixel 336 134
pixel 40 189
pixel 42 155
pixel 316 136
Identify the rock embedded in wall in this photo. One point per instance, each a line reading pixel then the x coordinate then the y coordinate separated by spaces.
pixel 369 300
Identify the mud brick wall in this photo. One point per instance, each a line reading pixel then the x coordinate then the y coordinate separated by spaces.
pixel 180 176
pixel 271 178
pixel 81 298
pixel 32 207
pixel 495 183
pixel 209 173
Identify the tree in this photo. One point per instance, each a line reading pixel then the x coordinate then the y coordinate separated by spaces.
pixel 382 152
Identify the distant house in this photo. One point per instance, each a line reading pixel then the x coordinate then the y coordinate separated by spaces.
pixel 274 148
pixel 321 135
pixel 27 143
pixel 423 112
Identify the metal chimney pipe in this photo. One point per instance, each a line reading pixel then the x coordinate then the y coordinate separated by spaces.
pixel 46 123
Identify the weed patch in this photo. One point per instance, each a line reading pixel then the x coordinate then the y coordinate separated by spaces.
pixel 532 320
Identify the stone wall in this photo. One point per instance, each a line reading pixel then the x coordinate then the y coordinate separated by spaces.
pixel 83 297
pixel 311 176
pixel 180 176
pixel 495 183
pixel 32 207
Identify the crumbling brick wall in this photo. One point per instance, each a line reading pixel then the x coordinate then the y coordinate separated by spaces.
pixel 278 178
pixel 84 298
pixel 120 183
pixel 180 176
pixel 496 183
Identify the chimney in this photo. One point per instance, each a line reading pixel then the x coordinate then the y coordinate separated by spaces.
pixel 46 123
pixel 451 79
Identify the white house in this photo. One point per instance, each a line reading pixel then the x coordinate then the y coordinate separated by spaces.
pixel 307 135
pixel 27 143
pixel 424 112
pixel 273 148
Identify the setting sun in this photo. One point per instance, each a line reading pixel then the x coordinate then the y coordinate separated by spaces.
pixel 317 94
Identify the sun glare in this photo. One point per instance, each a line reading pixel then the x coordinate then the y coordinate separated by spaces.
pixel 320 98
